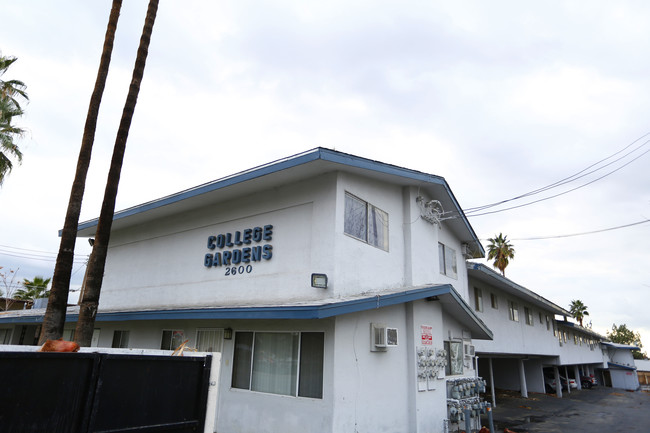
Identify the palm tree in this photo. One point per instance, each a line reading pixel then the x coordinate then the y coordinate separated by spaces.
pixel 12 88
pixel 34 289
pixel 578 310
pixel 54 318
pixel 90 301
pixel 10 93
pixel 501 251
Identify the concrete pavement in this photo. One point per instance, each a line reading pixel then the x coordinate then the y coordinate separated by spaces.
pixel 596 410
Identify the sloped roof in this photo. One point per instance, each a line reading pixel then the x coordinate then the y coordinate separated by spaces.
pixel 579 328
pixel 619 346
pixel 291 170
pixel 486 275
pixel 451 302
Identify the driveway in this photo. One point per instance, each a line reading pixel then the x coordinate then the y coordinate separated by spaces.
pixel 596 410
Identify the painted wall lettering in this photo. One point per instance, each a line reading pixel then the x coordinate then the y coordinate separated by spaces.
pixel 228 256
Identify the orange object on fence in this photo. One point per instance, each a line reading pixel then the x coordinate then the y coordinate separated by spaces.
pixel 59 346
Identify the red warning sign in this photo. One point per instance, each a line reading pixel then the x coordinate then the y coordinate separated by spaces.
pixel 427 335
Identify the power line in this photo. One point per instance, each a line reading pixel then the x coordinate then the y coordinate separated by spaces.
pixel 584 172
pixel 583 233
pixel 24 253
pixel 561 193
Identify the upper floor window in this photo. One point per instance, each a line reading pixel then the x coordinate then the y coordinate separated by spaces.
pixel 494 301
pixel 366 222
pixel 513 311
pixel 478 299
pixel 548 323
pixel 447 260
pixel 529 316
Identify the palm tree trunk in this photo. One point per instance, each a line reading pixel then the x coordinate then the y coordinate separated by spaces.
pixel 56 308
pixel 90 301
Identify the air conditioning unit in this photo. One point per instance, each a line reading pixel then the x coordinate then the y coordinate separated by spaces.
pixel 469 350
pixel 466 252
pixel 382 337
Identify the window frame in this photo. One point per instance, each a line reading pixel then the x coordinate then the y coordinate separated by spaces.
pixel 445 255
pixel 381 240
pixel 478 299
pixel 528 313
pixel 5 333
pixel 219 338
pixel 494 301
pixel 452 368
pixel 301 361
pixel 123 340
pixel 513 311
pixel 171 341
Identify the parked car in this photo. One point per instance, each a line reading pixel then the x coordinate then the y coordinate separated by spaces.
pixel 572 382
pixel 549 382
pixel 588 381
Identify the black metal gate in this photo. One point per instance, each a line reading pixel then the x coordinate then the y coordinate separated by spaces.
pixel 101 393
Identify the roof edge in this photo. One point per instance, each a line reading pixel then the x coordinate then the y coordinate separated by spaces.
pixel 318 153
pixel 487 271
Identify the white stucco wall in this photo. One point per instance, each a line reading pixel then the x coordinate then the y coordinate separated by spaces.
pixel 512 337
pixel 160 265
pixel 246 411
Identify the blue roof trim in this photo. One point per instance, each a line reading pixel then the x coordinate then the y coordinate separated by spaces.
pixel 318 153
pixel 224 182
pixel 624 367
pixel 471 313
pixel 480 267
pixel 290 311
pixel 316 311
pixel 620 345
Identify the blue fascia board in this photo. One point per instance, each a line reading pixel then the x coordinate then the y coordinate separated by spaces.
pixel 317 311
pixel 624 367
pixel 523 290
pixel 295 312
pixel 619 345
pixel 318 153
pixel 321 311
pixel 214 185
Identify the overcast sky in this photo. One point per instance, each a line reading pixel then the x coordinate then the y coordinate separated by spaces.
pixel 500 98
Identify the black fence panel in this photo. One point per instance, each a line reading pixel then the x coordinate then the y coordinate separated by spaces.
pixel 94 392
pixel 45 392
pixel 146 393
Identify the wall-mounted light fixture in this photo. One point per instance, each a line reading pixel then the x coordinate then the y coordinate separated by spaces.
pixel 319 281
pixel 227 334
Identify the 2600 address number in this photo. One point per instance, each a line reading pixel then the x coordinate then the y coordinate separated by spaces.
pixel 234 270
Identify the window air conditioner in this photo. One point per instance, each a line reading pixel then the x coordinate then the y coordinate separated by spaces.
pixel 382 337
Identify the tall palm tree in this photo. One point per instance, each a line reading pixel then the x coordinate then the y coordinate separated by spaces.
pixel 578 310
pixel 54 318
pixel 33 289
pixel 501 251
pixel 8 149
pixel 13 88
pixel 90 301
pixel 11 92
